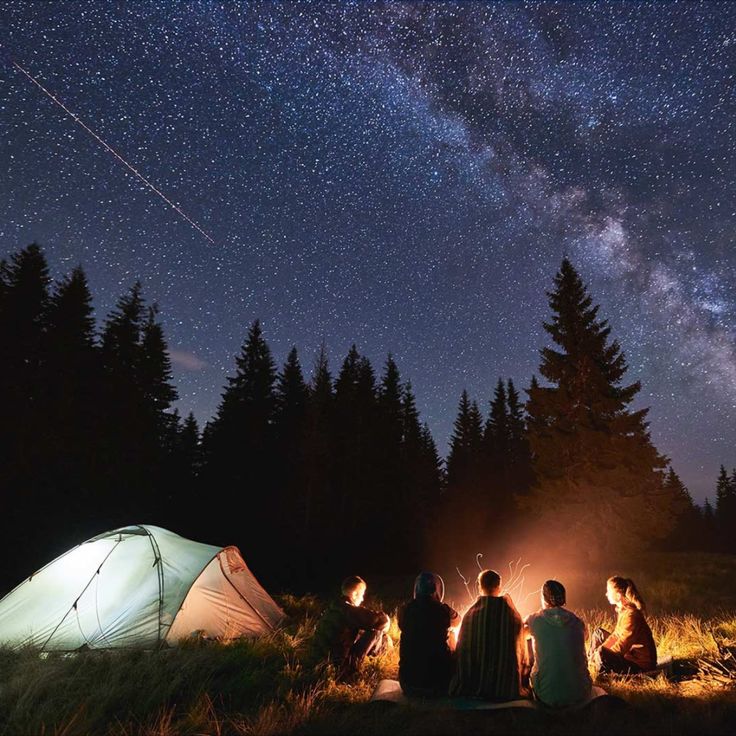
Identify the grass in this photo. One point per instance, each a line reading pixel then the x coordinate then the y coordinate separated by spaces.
pixel 269 687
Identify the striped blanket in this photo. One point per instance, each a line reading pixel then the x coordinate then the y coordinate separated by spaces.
pixel 489 652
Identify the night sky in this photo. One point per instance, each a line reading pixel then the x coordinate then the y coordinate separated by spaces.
pixel 405 176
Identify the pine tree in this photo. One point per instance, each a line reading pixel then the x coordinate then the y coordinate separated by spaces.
pixel 121 337
pixel 520 474
pixel 466 445
pixel 183 463
pixel 598 476
pixel 725 510
pixel 317 530
pixel 355 443
pixel 292 396
pixel 709 527
pixel 154 372
pixel 130 452
pixel 433 467
pixel 393 483
pixel 74 405
pixel 24 301
pixel 497 433
pixel 241 449
pixel 497 442
pixel 189 446
pixel 26 489
pixel 687 534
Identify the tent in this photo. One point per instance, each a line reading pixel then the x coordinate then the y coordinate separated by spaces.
pixel 138 586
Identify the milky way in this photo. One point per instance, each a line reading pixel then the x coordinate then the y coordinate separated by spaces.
pixel 403 176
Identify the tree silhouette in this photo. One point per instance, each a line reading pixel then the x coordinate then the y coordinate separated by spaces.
pixel 598 476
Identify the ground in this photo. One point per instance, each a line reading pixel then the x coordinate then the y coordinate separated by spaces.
pixel 267 686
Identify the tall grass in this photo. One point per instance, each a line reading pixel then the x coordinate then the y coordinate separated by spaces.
pixel 269 686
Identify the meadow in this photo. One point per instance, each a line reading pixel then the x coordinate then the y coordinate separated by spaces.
pixel 268 686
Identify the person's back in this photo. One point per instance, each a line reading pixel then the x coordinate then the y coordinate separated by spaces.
pixel 489 649
pixel 560 674
pixel 347 631
pixel 335 631
pixel 425 659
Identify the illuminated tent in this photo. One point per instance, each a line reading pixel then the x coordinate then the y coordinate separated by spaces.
pixel 138 586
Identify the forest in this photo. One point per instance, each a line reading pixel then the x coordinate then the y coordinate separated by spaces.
pixel 322 472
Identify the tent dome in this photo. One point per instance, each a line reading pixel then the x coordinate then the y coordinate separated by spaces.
pixel 137 586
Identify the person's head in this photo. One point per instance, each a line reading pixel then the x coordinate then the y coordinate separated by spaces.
pixel 489 583
pixel 553 594
pixel 430 585
pixel 620 591
pixel 353 588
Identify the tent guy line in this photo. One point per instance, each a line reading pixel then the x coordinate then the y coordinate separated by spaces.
pixel 109 148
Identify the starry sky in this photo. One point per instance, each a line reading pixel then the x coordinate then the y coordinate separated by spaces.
pixel 405 176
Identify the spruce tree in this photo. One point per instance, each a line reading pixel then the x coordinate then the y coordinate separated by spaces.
pixel 460 458
pixel 598 476
pixel 710 530
pixel 154 371
pixel 355 443
pixel 393 481
pixel 520 461
pixel 26 487
pixel 130 452
pixel 241 450
pixel 497 433
pixel 434 472
pixel 687 533
pixel 183 461
pixel 24 301
pixel 497 442
pixel 725 510
pixel 317 528
pixel 75 405
pixel 292 396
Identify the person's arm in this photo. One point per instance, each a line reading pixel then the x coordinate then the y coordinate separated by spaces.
pixel 454 616
pixel 622 639
pixel 527 628
pixel 364 618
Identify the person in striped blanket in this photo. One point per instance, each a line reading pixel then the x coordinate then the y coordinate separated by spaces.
pixel 490 647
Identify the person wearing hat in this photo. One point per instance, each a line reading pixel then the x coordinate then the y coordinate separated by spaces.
pixel 425 656
pixel 560 674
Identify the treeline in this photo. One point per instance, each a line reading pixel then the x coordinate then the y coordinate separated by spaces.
pixel 321 474
pixel 311 477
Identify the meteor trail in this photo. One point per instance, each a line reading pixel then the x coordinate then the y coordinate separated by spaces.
pixel 111 150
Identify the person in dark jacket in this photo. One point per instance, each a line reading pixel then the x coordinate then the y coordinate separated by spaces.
pixel 630 648
pixel 425 657
pixel 347 632
pixel 490 648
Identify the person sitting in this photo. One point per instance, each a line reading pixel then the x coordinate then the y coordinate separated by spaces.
pixel 490 654
pixel 630 648
pixel 425 657
pixel 347 632
pixel 560 674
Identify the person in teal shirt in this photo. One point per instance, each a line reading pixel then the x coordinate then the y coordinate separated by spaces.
pixel 560 674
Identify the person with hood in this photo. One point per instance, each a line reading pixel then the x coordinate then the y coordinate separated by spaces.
pixel 347 632
pixel 560 674
pixel 630 649
pixel 425 656
pixel 490 647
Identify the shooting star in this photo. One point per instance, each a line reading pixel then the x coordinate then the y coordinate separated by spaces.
pixel 109 148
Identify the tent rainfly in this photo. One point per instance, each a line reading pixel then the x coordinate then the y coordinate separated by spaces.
pixel 136 587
